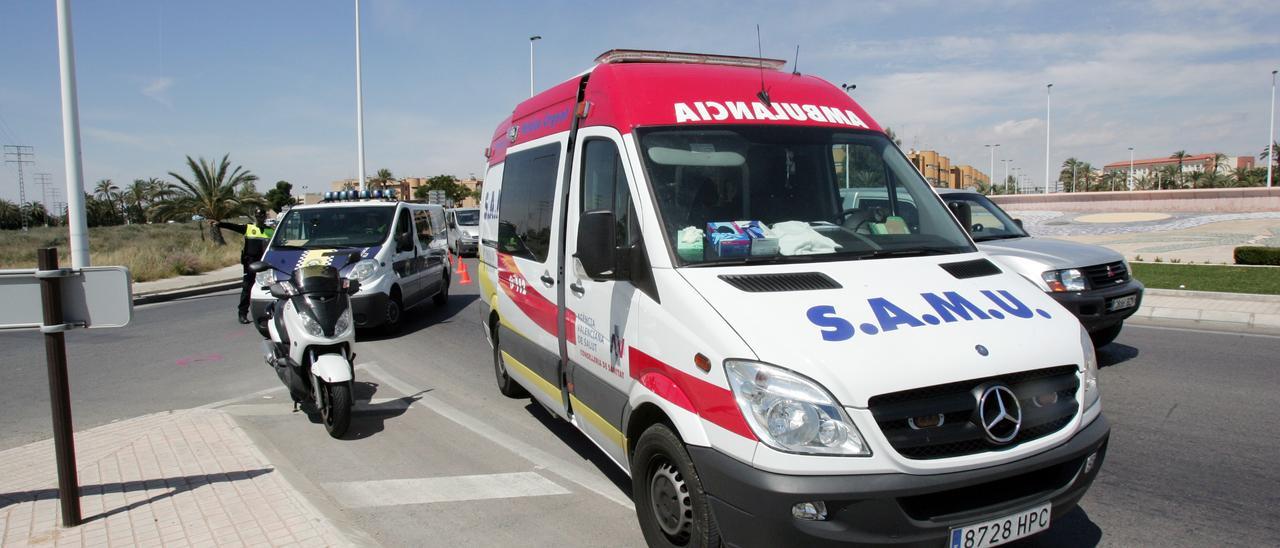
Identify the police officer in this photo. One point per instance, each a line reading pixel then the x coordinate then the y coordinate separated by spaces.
pixel 256 236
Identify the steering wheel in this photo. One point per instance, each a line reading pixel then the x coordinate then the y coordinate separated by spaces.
pixel 855 219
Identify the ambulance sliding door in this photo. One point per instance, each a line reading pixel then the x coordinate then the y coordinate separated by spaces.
pixel 527 254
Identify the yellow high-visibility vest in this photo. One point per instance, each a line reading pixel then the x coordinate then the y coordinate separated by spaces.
pixel 252 231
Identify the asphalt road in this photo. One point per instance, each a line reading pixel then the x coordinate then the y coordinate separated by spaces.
pixel 1195 419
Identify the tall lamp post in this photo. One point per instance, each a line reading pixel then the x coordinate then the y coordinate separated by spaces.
pixel 532 39
pixel 359 105
pixel 1130 168
pixel 993 158
pixel 77 221
pixel 1271 151
pixel 1048 132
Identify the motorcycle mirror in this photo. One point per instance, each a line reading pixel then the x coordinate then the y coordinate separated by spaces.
pixel 279 291
pixel 259 266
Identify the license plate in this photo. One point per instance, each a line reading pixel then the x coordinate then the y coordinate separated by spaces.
pixel 1121 303
pixel 1002 530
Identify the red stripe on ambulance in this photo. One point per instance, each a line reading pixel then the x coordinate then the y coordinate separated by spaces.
pixel 695 395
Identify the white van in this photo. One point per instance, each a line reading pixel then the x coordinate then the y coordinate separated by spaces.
pixel 669 263
pixel 464 230
pixel 395 249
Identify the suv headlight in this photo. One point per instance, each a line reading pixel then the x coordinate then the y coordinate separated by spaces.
pixel 363 270
pixel 1064 280
pixel 792 413
pixel 1091 393
pixel 266 277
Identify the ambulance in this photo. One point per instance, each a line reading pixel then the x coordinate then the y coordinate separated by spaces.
pixel 679 257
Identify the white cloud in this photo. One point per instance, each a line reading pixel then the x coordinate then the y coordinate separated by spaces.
pixel 1019 128
pixel 158 90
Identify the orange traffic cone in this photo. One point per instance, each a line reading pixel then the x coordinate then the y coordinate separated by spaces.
pixel 465 277
pixel 461 267
pixel 450 257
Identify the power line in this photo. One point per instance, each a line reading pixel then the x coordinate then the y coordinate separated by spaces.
pixel 4 126
pixel 19 154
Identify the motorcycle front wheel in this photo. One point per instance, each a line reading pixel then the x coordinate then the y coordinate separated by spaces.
pixel 336 410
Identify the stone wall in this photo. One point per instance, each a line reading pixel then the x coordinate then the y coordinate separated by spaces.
pixel 1214 200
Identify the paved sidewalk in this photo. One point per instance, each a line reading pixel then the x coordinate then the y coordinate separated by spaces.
pixel 181 478
pixel 1260 311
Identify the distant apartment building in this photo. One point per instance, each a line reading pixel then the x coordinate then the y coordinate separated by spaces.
pixel 1198 163
pixel 939 171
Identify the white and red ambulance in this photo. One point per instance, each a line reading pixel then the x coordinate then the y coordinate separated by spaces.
pixel 729 279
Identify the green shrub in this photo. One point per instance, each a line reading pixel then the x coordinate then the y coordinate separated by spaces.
pixel 1258 255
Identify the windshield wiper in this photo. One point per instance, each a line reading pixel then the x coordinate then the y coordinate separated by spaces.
pixel 1001 237
pixel 770 259
pixel 912 252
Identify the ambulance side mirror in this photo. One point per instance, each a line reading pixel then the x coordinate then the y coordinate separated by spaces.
pixel 963 212
pixel 596 244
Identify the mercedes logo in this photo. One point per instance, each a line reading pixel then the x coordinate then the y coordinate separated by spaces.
pixel 1000 413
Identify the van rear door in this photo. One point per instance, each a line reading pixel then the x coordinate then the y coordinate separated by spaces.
pixel 527 264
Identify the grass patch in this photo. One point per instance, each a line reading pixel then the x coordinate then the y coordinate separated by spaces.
pixel 152 252
pixel 1230 279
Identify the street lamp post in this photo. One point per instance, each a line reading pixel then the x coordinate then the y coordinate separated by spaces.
pixel 77 221
pixel 1271 138
pixel 1130 181
pixel 359 105
pixel 993 158
pixel 1048 121
pixel 532 39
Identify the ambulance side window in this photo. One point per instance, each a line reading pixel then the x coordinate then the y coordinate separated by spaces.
pixel 526 201
pixel 604 186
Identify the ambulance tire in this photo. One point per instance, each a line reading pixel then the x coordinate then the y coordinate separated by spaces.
pixel 671 505
pixel 506 385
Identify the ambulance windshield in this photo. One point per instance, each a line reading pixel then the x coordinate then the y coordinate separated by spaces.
pixel 753 194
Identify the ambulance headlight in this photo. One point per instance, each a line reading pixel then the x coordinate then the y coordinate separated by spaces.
pixel 1064 280
pixel 266 277
pixel 1091 393
pixel 792 413
pixel 363 270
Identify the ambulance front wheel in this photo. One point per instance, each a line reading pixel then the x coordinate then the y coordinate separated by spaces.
pixel 508 386
pixel 671 505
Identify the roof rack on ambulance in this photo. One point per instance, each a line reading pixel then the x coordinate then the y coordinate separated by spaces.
pixel 356 195
pixel 653 56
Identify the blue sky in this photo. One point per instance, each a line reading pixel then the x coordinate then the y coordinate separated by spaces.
pixel 272 83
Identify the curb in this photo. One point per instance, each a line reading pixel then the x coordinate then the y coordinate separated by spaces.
pixel 159 297
pixel 1191 294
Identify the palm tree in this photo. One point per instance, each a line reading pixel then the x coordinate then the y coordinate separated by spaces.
pixel 211 191
pixel 105 190
pixel 1180 156
pixel 380 181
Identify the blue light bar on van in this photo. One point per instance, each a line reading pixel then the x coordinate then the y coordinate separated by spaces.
pixel 356 195
pixel 653 56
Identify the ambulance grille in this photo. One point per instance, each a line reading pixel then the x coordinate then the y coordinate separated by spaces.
pixel 976 268
pixel 959 432
pixel 772 283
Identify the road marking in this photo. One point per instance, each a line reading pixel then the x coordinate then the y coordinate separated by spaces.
pixel 229 401
pixel 588 479
pixel 1208 331
pixel 367 494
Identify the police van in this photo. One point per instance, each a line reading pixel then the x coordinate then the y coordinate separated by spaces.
pixel 671 261
pixel 397 250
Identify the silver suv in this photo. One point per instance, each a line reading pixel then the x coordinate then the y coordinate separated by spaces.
pixel 1091 281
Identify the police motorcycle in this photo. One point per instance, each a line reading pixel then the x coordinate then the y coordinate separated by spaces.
pixel 309 333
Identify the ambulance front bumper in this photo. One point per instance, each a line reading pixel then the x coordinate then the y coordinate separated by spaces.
pixel 753 507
